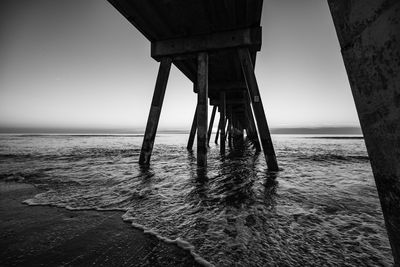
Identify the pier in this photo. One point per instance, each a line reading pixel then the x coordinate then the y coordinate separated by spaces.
pixel 215 44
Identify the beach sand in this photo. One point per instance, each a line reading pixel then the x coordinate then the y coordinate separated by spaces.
pixel 51 236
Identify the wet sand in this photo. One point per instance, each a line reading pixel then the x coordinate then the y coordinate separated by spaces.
pixel 51 236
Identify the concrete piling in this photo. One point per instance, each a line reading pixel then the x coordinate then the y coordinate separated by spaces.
pixel 202 108
pixel 210 126
pixel 222 101
pixel 369 36
pixel 192 131
pixel 155 111
pixel 252 86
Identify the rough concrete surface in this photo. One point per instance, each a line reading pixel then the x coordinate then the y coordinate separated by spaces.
pixel 369 35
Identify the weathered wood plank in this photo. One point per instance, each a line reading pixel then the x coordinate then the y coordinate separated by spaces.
pixel 155 111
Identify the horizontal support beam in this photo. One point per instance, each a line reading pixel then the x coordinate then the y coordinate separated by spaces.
pixel 250 37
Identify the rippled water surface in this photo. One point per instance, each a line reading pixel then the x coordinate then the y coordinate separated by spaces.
pixel 320 209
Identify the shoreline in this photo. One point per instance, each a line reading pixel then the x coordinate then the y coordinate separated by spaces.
pixel 45 235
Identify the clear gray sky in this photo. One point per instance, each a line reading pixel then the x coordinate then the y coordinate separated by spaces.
pixel 80 64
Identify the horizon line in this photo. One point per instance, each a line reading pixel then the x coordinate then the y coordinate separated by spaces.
pixel 130 131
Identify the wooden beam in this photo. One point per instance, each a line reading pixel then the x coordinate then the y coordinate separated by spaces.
pixel 202 108
pixel 250 37
pixel 155 111
pixel 192 131
pixel 210 126
pixel 222 116
pixel 251 81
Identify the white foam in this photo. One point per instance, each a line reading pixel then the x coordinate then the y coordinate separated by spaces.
pixel 29 202
pixel 179 242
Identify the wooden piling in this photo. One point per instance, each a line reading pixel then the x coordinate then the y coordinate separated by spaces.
pixel 192 131
pixel 222 106
pixel 155 111
pixel 202 108
pixel 252 86
pixel 210 126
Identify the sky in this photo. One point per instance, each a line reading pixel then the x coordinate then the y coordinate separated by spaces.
pixel 79 64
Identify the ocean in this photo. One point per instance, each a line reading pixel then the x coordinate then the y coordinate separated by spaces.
pixel 320 209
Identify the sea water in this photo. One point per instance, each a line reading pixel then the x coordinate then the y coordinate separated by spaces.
pixel 320 209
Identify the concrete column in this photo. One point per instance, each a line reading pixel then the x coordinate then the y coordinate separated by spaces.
pixel 192 131
pixel 210 126
pixel 237 131
pixel 155 111
pixel 369 36
pixel 252 86
pixel 202 108
pixel 252 130
pixel 222 102
pixel 240 130
pixel 230 126
pixel 217 134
